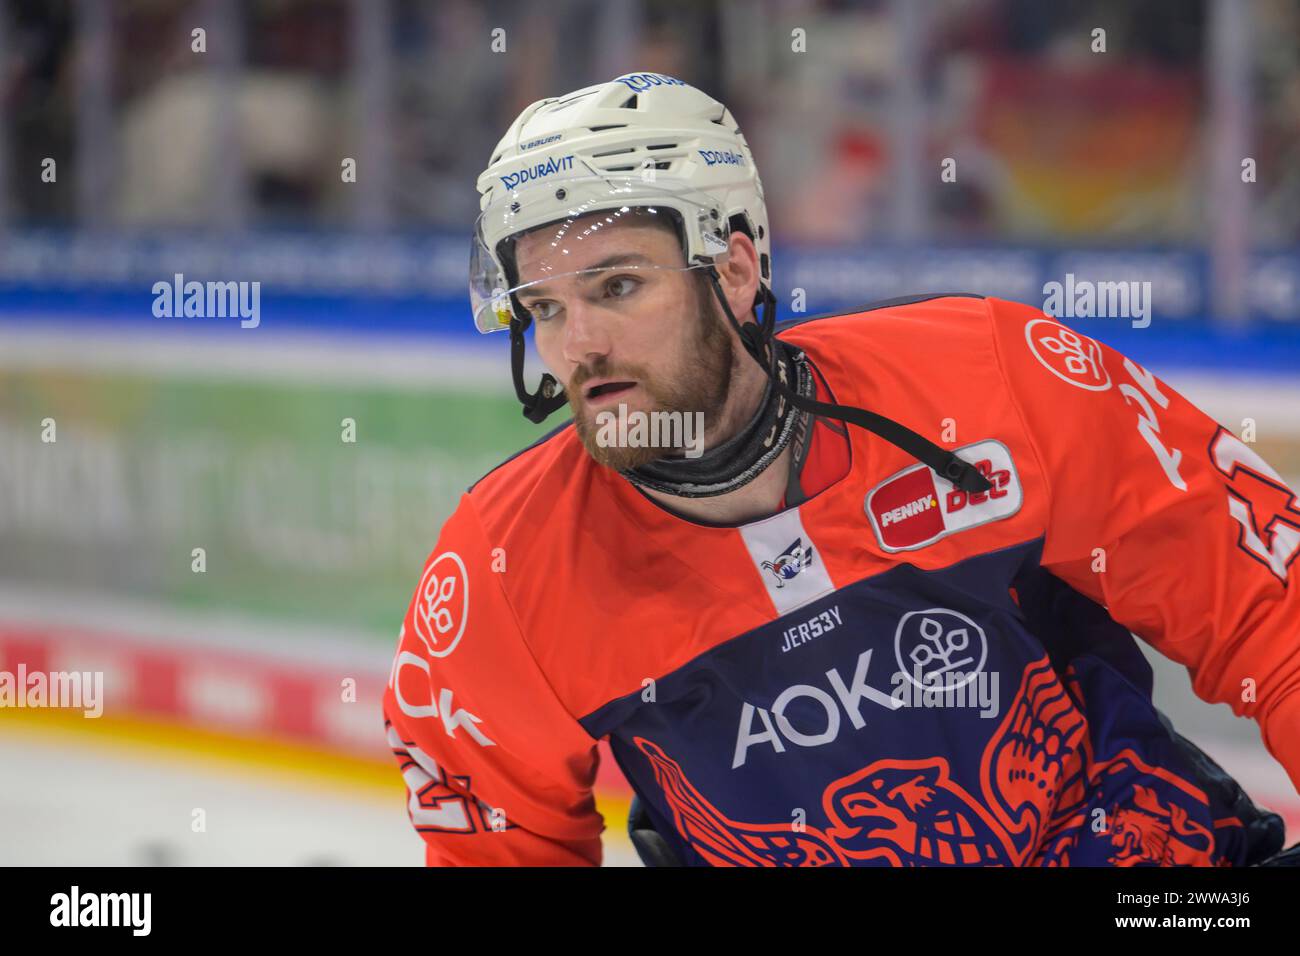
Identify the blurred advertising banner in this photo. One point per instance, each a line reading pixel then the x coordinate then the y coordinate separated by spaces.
pixel 293 496
pixel 417 284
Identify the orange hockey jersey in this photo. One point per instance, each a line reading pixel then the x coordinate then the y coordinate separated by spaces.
pixel 894 672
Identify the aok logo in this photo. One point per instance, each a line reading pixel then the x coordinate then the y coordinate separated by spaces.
pixel 938 645
pixel 808 716
pixel 1071 357
pixel 442 604
pixel 440 704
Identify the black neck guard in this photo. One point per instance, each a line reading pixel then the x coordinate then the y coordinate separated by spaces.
pixel 759 340
pixel 741 458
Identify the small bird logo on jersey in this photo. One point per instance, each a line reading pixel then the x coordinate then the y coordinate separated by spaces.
pixel 793 560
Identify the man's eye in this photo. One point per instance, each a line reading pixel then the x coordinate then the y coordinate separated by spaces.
pixel 627 284
pixel 542 310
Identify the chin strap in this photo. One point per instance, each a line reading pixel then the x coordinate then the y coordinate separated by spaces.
pixel 549 395
pixel 735 462
pixel 757 338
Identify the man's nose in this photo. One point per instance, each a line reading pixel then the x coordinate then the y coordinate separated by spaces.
pixel 586 333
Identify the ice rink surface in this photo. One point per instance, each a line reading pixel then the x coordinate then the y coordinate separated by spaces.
pixel 76 800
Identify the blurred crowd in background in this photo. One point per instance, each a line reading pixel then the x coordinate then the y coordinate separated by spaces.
pixel 1056 140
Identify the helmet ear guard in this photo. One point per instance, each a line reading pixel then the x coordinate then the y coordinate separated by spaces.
pixel 549 396
pixel 550 393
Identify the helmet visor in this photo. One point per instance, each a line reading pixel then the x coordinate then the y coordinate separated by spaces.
pixel 570 224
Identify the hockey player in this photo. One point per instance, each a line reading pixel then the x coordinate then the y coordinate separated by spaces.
pixel 884 618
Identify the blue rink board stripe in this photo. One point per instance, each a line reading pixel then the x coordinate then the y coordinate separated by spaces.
pixel 1260 346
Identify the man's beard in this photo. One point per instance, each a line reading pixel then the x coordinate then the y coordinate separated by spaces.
pixel 700 385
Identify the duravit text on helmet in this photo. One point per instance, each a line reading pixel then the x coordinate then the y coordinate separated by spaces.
pixel 725 156
pixel 540 171
pixel 636 82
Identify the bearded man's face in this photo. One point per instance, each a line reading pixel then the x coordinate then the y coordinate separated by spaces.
pixel 649 339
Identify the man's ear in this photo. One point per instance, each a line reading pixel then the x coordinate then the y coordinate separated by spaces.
pixel 739 273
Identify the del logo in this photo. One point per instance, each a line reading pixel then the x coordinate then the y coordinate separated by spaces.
pixel 916 507
pixel 793 560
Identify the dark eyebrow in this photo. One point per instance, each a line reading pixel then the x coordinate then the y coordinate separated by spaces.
pixel 622 259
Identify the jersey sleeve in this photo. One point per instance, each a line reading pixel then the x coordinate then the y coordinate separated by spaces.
pixel 1173 523
pixel 497 772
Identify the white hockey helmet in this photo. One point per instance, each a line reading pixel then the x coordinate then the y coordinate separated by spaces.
pixel 641 145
